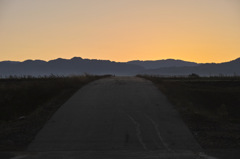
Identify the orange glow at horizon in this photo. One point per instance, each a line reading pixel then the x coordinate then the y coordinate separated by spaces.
pixel 199 31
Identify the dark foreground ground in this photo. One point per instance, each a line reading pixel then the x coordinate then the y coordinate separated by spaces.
pixel 209 106
pixel 27 103
pixel 119 117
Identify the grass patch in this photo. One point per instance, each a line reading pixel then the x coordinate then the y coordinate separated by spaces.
pixel 210 106
pixel 26 103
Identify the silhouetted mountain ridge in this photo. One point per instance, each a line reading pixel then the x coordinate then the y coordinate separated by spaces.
pixel 209 69
pixel 78 65
pixel 162 63
pixel 74 66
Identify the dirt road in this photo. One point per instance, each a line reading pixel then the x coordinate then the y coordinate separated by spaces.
pixel 119 117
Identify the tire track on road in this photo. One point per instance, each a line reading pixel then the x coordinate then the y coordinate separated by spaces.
pixel 158 133
pixel 138 130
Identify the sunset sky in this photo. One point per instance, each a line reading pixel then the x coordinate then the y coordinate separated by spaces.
pixel 120 30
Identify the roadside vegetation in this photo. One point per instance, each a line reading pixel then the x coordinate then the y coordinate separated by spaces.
pixel 26 103
pixel 210 106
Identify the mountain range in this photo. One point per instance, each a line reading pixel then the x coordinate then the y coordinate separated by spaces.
pixel 77 66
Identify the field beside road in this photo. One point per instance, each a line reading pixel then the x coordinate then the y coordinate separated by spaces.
pixel 210 106
pixel 26 103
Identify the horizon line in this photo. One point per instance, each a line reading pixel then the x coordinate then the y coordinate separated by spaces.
pixel 114 61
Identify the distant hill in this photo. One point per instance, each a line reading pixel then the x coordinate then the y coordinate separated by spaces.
pixel 162 63
pixel 209 69
pixel 74 66
pixel 77 66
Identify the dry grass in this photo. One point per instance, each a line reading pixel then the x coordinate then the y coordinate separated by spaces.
pixel 21 96
pixel 26 103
